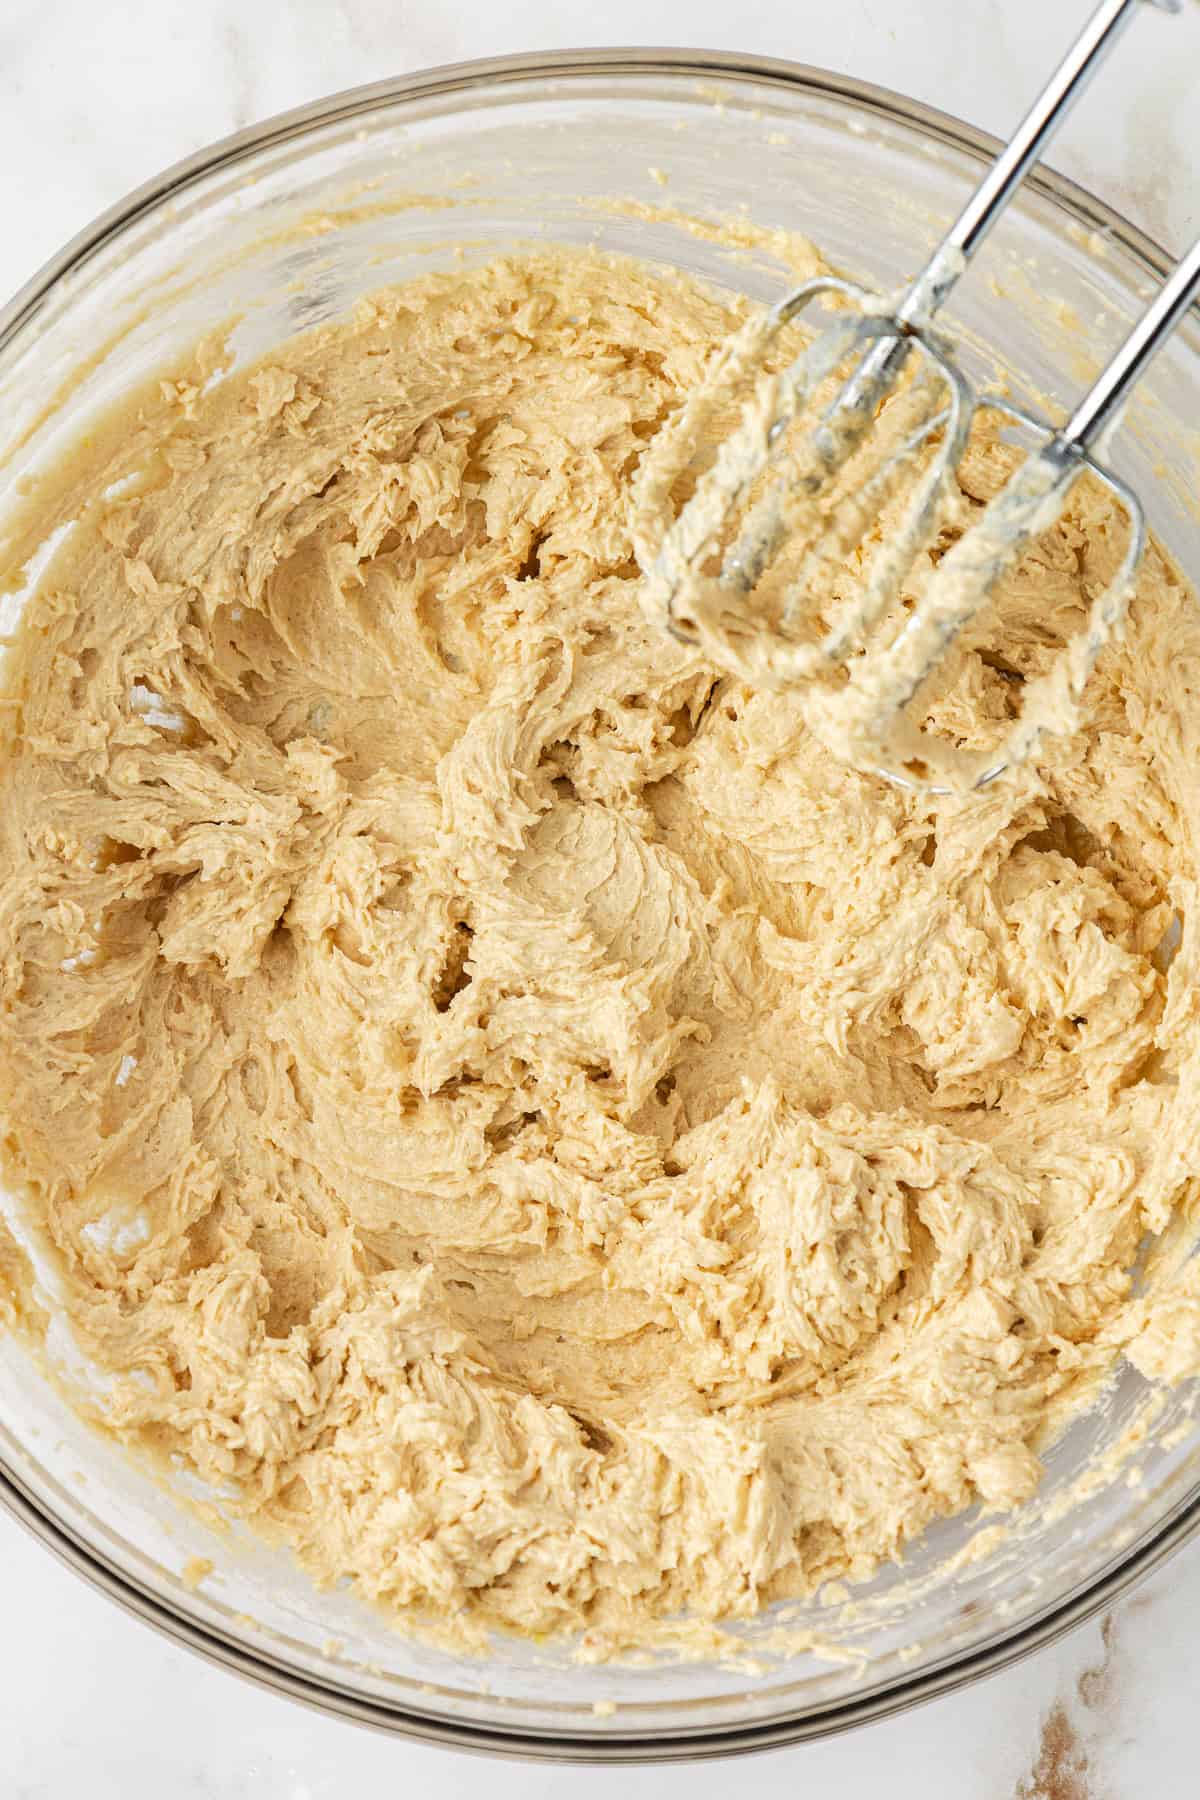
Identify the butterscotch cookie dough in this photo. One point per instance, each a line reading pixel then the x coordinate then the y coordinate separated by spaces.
pixel 505 1104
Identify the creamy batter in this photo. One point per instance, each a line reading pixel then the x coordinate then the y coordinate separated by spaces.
pixel 507 1106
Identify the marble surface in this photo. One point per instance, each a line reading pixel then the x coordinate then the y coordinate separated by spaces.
pixel 94 96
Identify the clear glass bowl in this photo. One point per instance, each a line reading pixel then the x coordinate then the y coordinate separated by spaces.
pixel 286 225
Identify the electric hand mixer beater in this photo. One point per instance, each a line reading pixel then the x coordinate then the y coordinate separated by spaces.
pixel 858 674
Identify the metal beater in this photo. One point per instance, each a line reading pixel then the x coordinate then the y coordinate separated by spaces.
pixel 859 673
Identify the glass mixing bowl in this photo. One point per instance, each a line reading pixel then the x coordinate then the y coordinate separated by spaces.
pixel 285 225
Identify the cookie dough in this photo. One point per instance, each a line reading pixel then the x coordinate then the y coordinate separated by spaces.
pixel 506 1105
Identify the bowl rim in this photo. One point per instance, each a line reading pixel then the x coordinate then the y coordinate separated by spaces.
pixel 58 1536
pixel 891 1698
pixel 446 79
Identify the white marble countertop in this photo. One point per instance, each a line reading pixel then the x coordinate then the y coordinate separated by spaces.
pixel 92 1703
